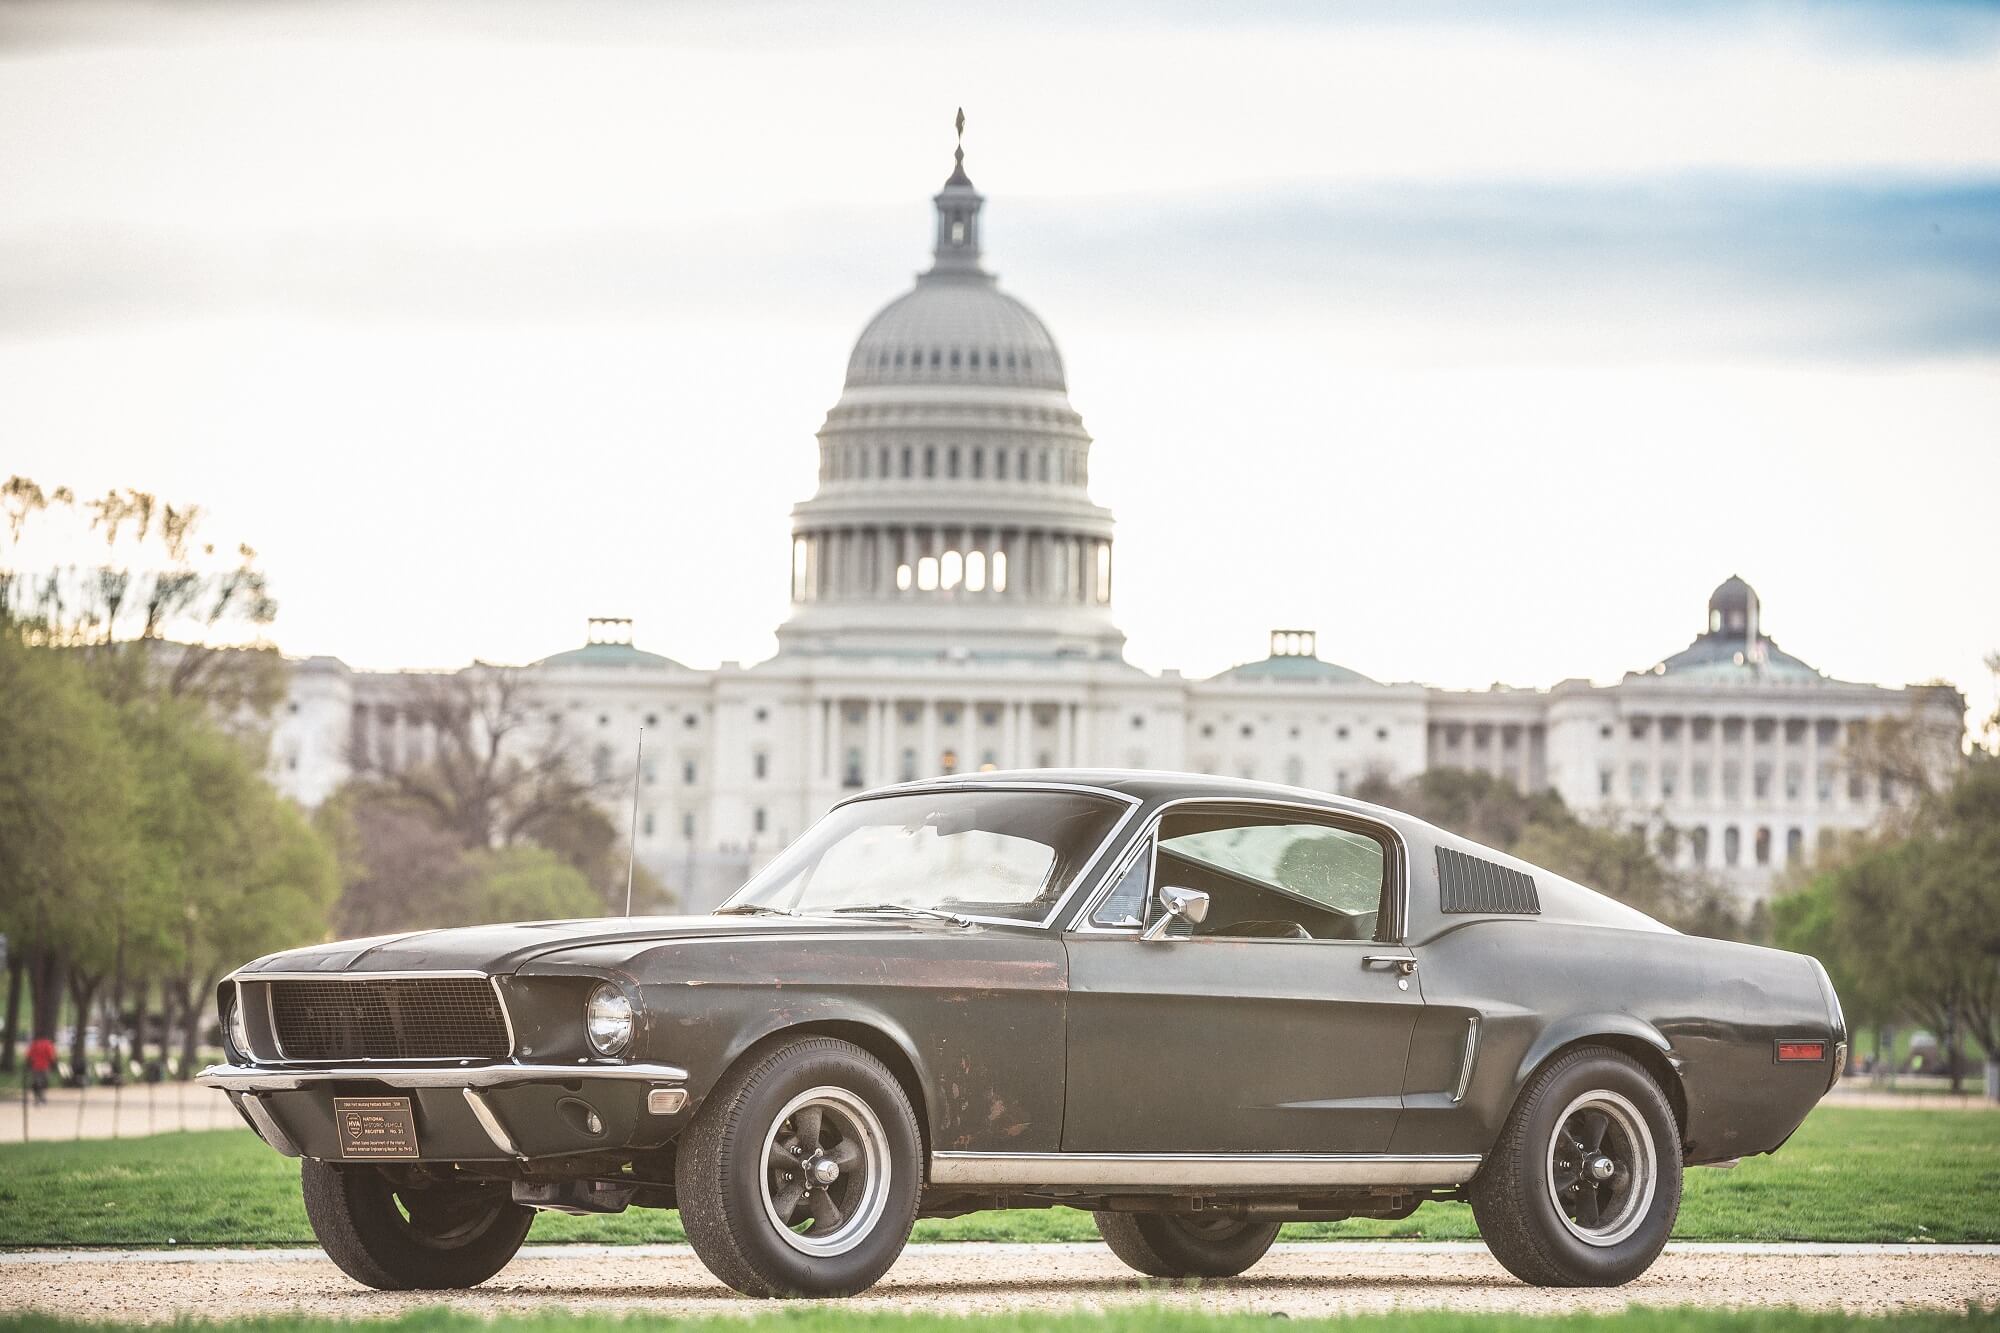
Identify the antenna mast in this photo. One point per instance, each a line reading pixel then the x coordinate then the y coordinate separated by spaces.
pixel 632 836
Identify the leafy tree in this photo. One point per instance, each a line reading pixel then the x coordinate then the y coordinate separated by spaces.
pixel 67 836
pixel 525 884
pixel 585 838
pixel 1908 925
pixel 239 869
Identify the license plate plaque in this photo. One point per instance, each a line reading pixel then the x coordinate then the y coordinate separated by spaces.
pixel 374 1128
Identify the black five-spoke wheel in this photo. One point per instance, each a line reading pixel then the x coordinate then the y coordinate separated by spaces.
pixel 800 1174
pixel 1602 1169
pixel 824 1181
pixel 1584 1184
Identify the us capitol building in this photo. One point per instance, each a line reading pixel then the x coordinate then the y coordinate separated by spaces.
pixel 951 587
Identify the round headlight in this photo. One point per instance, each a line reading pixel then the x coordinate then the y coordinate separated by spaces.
pixel 608 1018
pixel 239 1033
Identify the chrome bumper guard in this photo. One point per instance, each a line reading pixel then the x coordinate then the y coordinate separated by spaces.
pixel 254 1078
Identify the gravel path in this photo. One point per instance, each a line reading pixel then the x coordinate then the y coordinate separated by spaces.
pixel 130 1112
pixel 1304 1279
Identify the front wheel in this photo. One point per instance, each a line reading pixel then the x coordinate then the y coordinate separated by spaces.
pixel 801 1173
pixel 1166 1245
pixel 1584 1185
pixel 428 1235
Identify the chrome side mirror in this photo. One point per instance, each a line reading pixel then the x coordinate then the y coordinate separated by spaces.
pixel 1190 905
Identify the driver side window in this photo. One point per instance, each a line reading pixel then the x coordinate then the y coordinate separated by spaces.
pixel 1267 874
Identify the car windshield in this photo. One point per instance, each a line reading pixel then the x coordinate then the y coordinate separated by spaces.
pixel 1001 853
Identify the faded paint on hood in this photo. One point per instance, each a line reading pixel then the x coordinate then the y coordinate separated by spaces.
pixel 504 948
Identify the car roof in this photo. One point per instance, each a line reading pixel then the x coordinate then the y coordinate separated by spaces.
pixel 1562 898
pixel 1150 787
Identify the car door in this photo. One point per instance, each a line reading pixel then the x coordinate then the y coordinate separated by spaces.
pixel 1234 1039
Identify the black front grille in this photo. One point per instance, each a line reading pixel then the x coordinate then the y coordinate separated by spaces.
pixel 399 1018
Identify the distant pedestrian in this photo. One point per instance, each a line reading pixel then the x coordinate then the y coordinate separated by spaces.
pixel 41 1059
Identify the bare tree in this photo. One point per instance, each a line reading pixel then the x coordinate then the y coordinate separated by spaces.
pixel 489 766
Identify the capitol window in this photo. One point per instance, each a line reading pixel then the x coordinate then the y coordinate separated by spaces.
pixel 1732 845
pixel 951 570
pixel 978 463
pixel 902 578
pixel 975 571
pixel 999 571
pixel 927 574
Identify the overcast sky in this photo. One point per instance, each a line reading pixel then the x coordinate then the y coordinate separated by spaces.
pixel 1485 339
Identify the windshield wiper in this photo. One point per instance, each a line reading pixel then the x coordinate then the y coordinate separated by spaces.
pixel 754 909
pixel 933 912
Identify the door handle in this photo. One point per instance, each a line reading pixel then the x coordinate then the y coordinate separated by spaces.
pixel 1403 962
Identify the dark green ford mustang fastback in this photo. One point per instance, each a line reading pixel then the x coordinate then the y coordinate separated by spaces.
pixel 1198 1008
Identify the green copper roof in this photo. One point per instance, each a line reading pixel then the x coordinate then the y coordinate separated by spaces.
pixel 608 655
pixel 1295 667
pixel 1721 655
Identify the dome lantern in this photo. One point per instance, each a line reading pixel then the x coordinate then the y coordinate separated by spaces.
pixel 958 203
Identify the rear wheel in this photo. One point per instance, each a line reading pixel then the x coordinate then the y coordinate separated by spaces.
pixel 1584 1185
pixel 1164 1245
pixel 428 1236
pixel 800 1175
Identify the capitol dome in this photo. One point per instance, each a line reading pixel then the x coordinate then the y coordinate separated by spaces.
pixel 953 515
pixel 956 329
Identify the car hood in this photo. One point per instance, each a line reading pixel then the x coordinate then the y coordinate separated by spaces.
pixel 505 948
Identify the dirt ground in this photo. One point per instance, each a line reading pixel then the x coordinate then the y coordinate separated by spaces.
pixel 1306 1279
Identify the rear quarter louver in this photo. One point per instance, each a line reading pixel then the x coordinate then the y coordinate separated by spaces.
pixel 1471 884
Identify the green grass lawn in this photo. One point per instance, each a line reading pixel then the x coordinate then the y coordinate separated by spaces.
pixel 1849 1174
pixel 1140 1320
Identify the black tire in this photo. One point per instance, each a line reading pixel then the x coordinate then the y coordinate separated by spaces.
pixel 445 1235
pixel 1164 1245
pixel 1542 1208
pixel 730 1181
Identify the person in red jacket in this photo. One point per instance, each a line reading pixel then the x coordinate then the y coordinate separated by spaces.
pixel 41 1059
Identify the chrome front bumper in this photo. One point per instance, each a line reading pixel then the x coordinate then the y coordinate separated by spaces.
pixel 256 1078
pixel 285 1105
